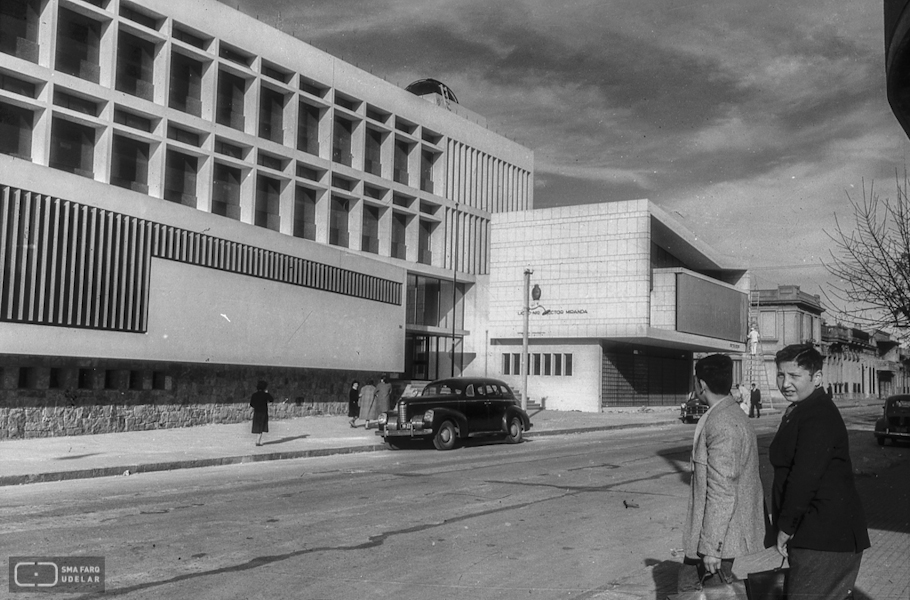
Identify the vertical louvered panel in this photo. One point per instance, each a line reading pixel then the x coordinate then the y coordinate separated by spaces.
pixel 144 277
pixel 79 246
pixel 115 251
pixel 9 293
pixel 34 267
pixel 45 262
pixel 97 251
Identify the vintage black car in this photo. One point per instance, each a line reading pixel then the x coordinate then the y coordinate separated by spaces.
pixel 692 409
pixel 454 409
pixel 894 424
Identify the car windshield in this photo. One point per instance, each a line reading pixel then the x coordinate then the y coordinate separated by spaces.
pixel 442 389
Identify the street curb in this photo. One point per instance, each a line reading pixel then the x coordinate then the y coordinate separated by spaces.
pixel 135 469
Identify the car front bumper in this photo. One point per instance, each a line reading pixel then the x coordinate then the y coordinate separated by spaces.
pixel 409 429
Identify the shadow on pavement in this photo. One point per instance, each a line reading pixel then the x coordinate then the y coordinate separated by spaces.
pixel 285 439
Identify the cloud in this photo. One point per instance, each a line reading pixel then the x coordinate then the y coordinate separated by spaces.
pixel 751 119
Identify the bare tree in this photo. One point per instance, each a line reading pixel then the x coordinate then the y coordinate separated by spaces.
pixel 871 261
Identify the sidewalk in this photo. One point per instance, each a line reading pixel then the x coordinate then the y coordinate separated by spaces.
pixel 115 454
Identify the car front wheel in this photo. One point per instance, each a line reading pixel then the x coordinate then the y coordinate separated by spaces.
pixel 880 439
pixel 446 436
pixel 516 431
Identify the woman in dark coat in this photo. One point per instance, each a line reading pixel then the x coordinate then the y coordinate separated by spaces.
pixel 260 403
pixel 354 402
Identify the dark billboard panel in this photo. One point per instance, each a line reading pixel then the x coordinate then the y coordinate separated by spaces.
pixel 709 309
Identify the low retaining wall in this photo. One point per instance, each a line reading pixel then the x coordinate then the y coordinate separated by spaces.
pixel 45 400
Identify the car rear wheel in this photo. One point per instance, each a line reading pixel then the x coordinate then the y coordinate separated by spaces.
pixel 516 431
pixel 446 437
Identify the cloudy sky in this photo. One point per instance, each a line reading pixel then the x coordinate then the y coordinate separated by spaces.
pixel 749 121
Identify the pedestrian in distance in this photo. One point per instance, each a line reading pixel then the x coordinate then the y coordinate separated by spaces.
pixel 260 402
pixel 821 526
pixel 369 411
pixel 725 518
pixel 755 402
pixel 383 395
pixel 830 392
pixel 354 402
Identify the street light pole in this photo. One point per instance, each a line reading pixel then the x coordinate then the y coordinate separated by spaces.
pixel 525 362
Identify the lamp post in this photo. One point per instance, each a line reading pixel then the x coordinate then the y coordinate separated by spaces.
pixel 525 363
pixel 454 283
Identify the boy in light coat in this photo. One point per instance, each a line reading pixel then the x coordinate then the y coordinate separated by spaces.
pixel 725 517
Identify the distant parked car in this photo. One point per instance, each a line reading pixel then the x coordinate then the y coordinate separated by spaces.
pixel 894 424
pixel 450 410
pixel 692 409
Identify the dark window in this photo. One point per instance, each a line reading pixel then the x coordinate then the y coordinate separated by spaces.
pixel 72 148
pixel 189 38
pixel 305 213
pixel 373 158
pixel 271 115
pixel 53 379
pixel 568 368
pixel 557 365
pixel 78 45
pixel 17 86
pixel 506 364
pixel 180 178
pixel 86 377
pixel 268 198
pixel 19 28
pixel 370 237
pixel 402 150
pixel 137 17
pixel 226 192
pixel 182 135
pixel 186 85
pixel 547 364
pixel 231 90
pixel 424 244
pixel 338 222
pixel 399 235
pixel 76 103
pixel 130 120
pixel 130 164
pixel 341 142
pixel 135 58
pixel 536 361
pixel 426 171
pixel 308 129
pixel 222 147
pixel 16 131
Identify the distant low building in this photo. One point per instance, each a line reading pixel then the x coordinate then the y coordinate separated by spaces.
pixel 859 364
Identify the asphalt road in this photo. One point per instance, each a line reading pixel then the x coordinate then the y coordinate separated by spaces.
pixel 595 515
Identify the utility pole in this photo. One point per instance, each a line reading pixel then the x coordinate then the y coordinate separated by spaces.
pixel 525 366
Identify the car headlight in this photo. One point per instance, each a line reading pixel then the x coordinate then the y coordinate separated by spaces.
pixel 428 416
pixel 383 418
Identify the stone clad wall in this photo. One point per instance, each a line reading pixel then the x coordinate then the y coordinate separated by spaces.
pixel 99 398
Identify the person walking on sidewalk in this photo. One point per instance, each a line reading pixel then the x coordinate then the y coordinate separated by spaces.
pixel 755 402
pixel 260 403
pixel 383 395
pixel 725 517
pixel 368 409
pixel 354 402
pixel 821 526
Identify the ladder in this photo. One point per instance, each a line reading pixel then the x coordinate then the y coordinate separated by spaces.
pixel 754 370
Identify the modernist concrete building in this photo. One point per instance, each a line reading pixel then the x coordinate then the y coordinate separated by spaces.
pixel 623 297
pixel 192 200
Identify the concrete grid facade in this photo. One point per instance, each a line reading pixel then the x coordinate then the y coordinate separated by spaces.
pixel 184 185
